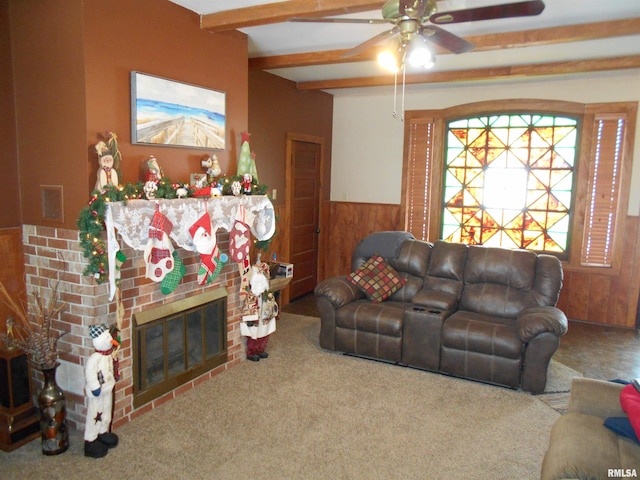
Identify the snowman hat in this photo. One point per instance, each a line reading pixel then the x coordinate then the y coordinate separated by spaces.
pixel 96 330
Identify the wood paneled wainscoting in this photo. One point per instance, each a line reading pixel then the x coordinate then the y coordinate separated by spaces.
pixel 606 296
pixel 589 295
pixel 346 225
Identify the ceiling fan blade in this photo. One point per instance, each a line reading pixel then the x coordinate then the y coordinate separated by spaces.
pixel 446 39
pixel 507 10
pixel 370 43
pixel 371 21
pixel 412 8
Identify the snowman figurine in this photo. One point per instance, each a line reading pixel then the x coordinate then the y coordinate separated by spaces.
pixel 100 378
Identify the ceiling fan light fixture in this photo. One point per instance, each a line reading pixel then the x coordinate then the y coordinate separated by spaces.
pixel 419 54
pixel 388 60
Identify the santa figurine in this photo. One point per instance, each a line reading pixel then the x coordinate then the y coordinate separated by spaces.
pixel 259 311
pixel 101 374
pixel 154 172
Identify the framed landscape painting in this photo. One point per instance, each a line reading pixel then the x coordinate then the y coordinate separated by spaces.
pixel 171 113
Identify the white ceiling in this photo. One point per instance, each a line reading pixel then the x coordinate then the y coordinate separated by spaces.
pixel 291 37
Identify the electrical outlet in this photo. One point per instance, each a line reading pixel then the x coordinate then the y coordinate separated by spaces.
pixel 274 194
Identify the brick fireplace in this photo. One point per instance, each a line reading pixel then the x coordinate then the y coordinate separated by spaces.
pixel 88 303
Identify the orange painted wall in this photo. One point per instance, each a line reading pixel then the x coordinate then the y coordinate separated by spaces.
pixel 9 217
pixel 72 61
pixel 277 107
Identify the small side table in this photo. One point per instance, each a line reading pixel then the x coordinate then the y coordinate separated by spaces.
pixel 19 417
pixel 276 285
pixel 279 283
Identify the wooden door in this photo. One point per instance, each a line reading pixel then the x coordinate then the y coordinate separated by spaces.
pixel 304 167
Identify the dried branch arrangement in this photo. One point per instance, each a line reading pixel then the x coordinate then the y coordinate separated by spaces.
pixel 33 332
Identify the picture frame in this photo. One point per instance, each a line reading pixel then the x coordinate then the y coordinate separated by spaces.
pixel 172 113
pixel 198 180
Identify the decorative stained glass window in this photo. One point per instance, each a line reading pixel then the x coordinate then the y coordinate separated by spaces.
pixel 508 181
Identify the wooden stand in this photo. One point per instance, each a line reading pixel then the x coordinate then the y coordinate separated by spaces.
pixel 278 283
pixel 19 417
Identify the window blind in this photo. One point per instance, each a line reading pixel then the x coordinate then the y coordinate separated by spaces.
pixel 419 162
pixel 603 194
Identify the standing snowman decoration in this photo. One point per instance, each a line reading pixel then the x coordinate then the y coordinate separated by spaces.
pixel 100 376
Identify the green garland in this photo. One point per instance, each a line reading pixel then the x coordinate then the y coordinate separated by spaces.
pixel 91 219
pixel 91 225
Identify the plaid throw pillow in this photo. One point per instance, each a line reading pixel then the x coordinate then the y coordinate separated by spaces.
pixel 377 279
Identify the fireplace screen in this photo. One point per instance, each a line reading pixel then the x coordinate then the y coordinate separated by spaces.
pixel 177 342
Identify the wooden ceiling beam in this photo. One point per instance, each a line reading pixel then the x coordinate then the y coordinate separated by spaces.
pixel 496 41
pixel 492 73
pixel 281 12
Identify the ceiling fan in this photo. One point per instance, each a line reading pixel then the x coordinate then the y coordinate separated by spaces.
pixel 419 19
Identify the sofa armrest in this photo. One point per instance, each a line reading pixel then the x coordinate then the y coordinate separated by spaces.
pixel 338 291
pixel 596 397
pixel 533 321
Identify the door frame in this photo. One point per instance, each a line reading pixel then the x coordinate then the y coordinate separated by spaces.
pixel 288 186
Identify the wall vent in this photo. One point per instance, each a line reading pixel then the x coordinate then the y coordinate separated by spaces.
pixel 51 199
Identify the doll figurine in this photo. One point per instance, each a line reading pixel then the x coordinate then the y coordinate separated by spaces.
pixel 259 310
pixel 155 172
pixel 107 175
pixel 100 377
pixel 215 169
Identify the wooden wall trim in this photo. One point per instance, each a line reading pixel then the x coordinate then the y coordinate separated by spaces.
pixel 12 273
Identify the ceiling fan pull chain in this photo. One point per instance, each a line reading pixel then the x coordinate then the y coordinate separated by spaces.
pixel 395 93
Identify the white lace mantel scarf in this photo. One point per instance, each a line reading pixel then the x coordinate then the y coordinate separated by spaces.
pixel 131 221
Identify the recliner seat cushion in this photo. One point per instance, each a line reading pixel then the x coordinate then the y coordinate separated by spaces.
pixel 371 329
pixel 381 318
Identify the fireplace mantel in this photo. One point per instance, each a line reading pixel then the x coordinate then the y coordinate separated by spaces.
pixel 131 221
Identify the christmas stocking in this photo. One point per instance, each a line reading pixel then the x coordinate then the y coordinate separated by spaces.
pixel 120 259
pixel 204 238
pixel 158 253
pixel 239 237
pixel 172 279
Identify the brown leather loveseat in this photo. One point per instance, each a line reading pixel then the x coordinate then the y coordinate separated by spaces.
pixel 476 312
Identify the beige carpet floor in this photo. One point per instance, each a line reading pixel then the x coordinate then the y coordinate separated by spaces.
pixel 305 413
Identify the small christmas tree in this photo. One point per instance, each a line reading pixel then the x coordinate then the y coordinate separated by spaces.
pixel 247 160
